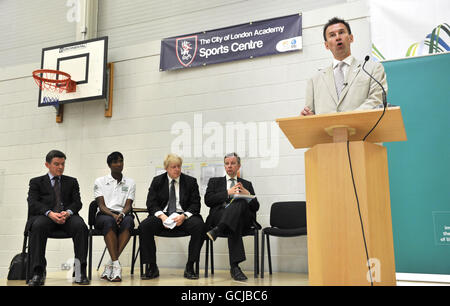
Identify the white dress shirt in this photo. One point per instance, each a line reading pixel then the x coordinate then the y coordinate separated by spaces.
pixel 348 61
pixel 177 201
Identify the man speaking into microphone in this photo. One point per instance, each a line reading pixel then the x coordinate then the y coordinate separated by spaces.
pixel 343 86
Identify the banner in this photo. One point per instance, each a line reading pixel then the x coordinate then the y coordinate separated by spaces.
pixel 261 38
pixel 404 28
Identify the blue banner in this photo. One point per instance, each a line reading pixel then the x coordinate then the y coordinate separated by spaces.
pixel 254 39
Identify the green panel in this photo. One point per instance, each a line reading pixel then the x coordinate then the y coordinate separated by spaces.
pixel 419 169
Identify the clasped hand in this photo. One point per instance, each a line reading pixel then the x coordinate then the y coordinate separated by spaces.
pixel 59 218
pixel 238 189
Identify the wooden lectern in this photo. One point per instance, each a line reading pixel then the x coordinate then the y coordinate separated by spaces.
pixel 336 248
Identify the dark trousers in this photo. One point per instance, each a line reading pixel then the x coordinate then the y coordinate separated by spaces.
pixel 43 226
pixel 105 223
pixel 236 217
pixel 152 226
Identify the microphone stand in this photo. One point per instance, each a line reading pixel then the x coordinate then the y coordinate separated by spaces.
pixel 383 97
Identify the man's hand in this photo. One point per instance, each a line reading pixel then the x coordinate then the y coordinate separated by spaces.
pixel 118 218
pixel 163 218
pixel 179 219
pixel 238 189
pixel 307 111
pixel 65 214
pixel 58 218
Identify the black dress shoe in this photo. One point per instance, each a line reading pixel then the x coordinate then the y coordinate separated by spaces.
pixel 212 234
pixel 82 280
pixel 36 280
pixel 189 273
pixel 152 272
pixel 237 274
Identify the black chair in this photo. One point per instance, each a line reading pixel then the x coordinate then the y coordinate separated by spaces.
pixel 252 231
pixel 175 233
pixel 93 207
pixel 57 234
pixel 287 219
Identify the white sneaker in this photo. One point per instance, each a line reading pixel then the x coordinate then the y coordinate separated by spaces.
pixel 107 273
pixel 116 275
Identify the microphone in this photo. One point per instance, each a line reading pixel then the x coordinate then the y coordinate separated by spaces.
pixel 383 97
pixel 366 59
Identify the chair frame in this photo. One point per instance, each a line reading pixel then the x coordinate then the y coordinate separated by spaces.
pixel 94 232
pixel 173 233
pixel 59 234
pixel 268 243
pixel 253 231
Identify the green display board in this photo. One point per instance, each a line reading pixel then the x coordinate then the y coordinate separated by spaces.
pixel 419 168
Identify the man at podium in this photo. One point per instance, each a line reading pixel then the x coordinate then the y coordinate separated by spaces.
pixel 343 86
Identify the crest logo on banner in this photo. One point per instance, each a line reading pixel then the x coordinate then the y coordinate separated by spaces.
pixel 186 48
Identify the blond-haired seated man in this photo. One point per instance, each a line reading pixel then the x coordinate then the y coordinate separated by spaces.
pixel 172 193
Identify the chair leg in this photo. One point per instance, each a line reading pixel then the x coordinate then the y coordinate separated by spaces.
pixel 268 254
pixel 90 256
pixel 101 258
pixel 256 264
pixel 133 258
pixel 206 257
pixel 262 254
pixel 212 257
pixel 141 265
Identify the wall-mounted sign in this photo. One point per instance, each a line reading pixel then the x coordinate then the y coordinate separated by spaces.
pixel 254 39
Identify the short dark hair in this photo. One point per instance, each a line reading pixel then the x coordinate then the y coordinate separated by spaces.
pixel 54 153
pixel 332 21
pixel 233 155
pixel 113 157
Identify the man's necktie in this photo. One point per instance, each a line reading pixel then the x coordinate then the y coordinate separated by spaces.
pixel 232 182
pixel 339 78
pixel 57 189
pixel 231 186
pixel 172 206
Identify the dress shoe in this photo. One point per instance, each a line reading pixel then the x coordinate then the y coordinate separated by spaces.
pixel 189 272
pixel 152 272
pixel 37 280
pixel 212 234
pixel 237 274
pixel 82 280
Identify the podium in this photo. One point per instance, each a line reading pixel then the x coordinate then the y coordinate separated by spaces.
pixel 345 228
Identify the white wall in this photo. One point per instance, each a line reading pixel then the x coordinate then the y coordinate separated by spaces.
pixel 146 105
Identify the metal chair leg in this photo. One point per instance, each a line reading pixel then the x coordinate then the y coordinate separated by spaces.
pixel 268 254
pixel 101 258
pixel 90 256
pixel 262 254
pixel 206 257
pixel 256 272
pixel 212 258
pixel 133 258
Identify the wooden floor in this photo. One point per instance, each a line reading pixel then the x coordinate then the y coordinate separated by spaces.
pixel 174 277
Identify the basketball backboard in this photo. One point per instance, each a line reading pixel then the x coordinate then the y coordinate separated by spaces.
pixel 86 62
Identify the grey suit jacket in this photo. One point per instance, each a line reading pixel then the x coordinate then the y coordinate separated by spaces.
pixel 360 93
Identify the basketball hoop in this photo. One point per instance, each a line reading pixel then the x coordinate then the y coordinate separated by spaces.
pixel 54 82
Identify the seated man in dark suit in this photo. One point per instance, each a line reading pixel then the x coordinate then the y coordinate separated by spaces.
pixel 231 217
pixel 53 203
pixel 172 194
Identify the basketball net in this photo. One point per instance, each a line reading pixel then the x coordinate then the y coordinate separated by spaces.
pixel 52 84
